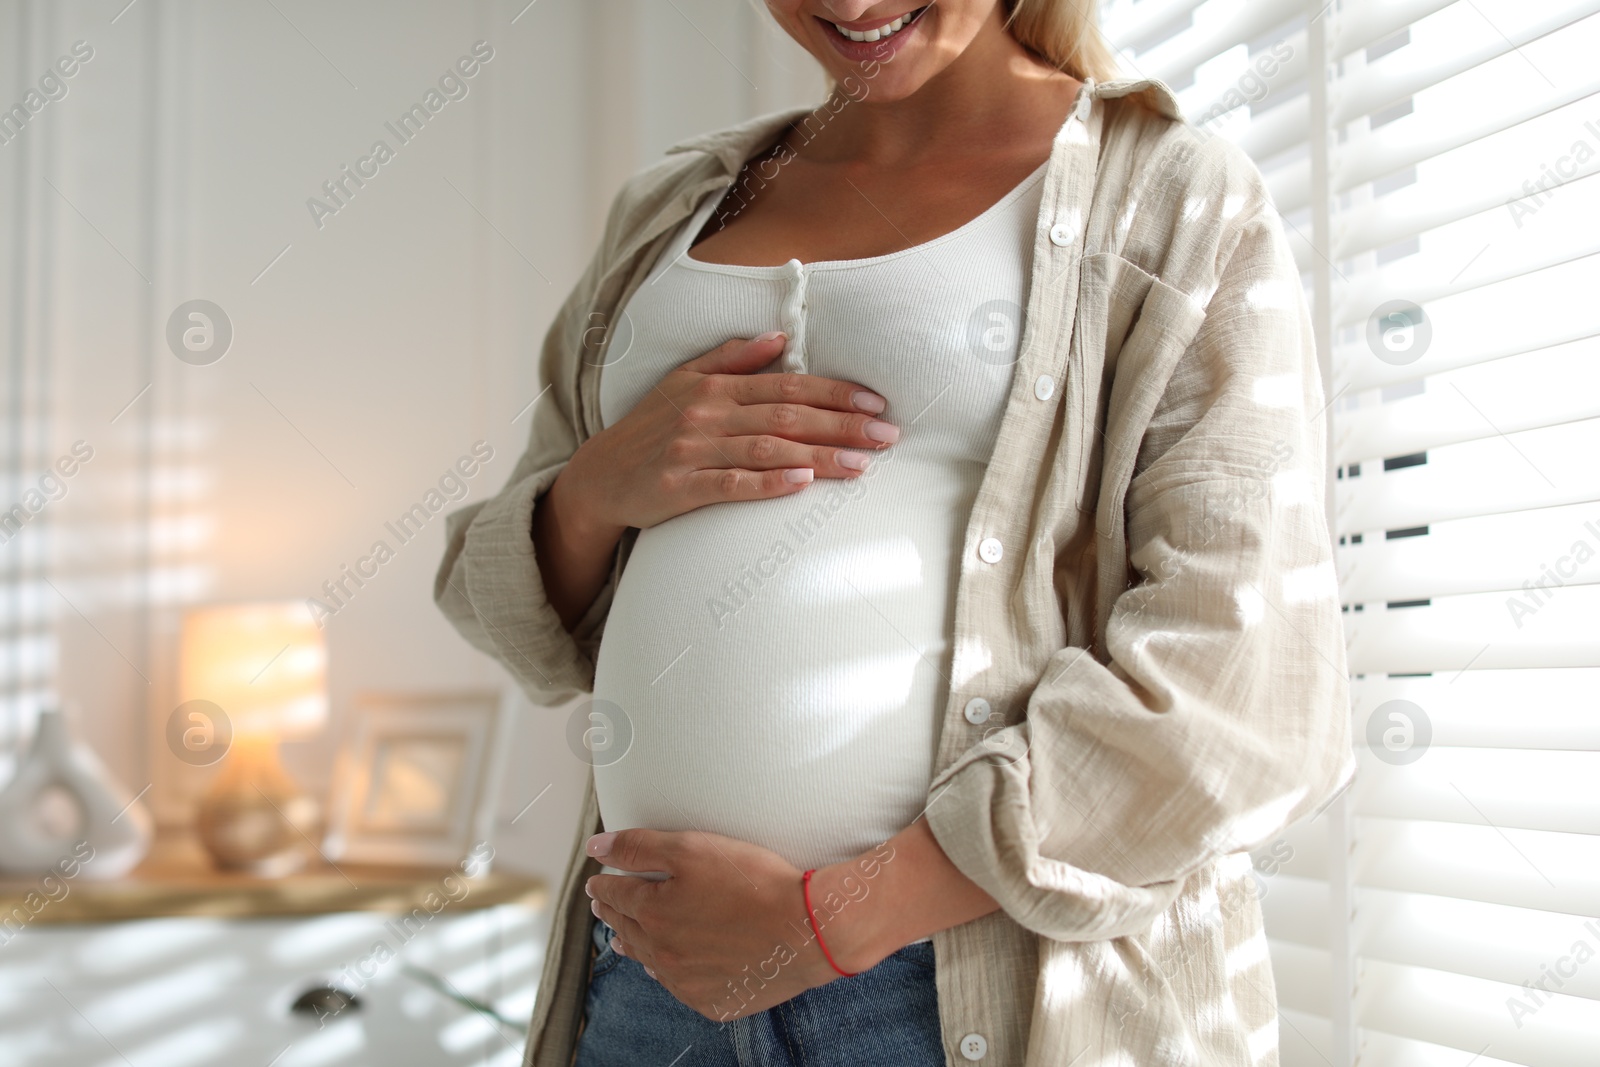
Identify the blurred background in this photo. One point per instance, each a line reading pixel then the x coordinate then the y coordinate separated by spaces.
pixel 244 347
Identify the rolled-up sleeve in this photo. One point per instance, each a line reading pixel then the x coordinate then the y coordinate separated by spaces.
pixel 1216 710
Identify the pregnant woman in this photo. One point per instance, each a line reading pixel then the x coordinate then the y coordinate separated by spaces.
pixel 928 509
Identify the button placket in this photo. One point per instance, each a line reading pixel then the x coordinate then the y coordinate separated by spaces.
pixel 1067 197
pixel 793 317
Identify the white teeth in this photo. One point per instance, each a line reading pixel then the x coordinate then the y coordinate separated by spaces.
pixel 862 37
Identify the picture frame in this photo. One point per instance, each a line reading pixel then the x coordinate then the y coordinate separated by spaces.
pixel 417 777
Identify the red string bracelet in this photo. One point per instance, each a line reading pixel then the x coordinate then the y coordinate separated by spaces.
pixel 811 915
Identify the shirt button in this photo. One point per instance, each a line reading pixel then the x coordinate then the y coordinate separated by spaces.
pixel 1045 387
pixel 977 711
pixel 974 1047
pixel 1061 235
pixel 989 550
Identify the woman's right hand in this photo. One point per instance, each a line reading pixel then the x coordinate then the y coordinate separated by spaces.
pixel 713 430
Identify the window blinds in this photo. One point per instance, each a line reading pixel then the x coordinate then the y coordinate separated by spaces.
pixel 28 646
pixel 1434 163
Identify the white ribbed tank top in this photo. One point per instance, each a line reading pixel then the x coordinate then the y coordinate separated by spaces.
pixel 783 665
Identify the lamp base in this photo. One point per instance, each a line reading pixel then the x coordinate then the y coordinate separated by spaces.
pixel 254 818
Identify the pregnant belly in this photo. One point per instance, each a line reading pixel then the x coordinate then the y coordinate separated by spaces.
pixel 782 665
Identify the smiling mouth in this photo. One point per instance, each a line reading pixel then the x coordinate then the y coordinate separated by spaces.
pixel 880 32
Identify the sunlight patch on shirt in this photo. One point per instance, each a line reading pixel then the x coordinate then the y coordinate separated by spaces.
pixel 1253 953
pixel 972 657
pixel 1073 133
pixel 1305 585
pixel 1292 488
pixel 1262 821
pixel 1063 977
pixel 1248 605
pixel 1276 390
pixel 1232 204
pixel 869 685
pixel 1263 1042
pixel 1272 293
pixel 1234 865
pixel 1125 220
pixel 885 565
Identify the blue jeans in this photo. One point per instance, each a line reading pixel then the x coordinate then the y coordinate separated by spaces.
pixel 886 1017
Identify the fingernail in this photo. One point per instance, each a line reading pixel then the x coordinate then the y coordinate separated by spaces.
pixel 588 888
pixel 618 947
pixel 594 906
pixel 879 430
pixel 773 336
pixel 798 474
pixel 856 461
pixel 600 844
pixel 871 403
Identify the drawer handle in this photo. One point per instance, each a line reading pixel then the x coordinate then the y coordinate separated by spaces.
pixel 323 1001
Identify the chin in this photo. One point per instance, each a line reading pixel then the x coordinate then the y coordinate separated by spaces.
pixel 901 59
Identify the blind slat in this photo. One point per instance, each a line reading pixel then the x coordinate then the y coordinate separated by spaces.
pixel 1492 553
pixel 1470 937
pixel 1477 402
pixel 1177 57
pixel 1484 176
pixel 1428 278
pixel 1530 469
pixel 1296 909
pixel 1526 788
pixel 1391 79
pixel 1406 143
pixel 1480 629
pixel 1226 89
pixel 1362 25
pixel 1555 708
pixel 1470 1014
pixel 1408 71
pixel 1464 336
pixel 1135 26
pixel 1533 869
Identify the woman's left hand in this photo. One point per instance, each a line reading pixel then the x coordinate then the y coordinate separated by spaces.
pixel 725 932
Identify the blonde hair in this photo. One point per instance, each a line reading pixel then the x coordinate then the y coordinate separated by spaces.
pixel 1064 33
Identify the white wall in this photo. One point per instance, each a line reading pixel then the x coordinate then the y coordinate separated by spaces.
pixel 374 352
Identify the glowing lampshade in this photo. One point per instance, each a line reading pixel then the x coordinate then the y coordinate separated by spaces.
pixel 265 665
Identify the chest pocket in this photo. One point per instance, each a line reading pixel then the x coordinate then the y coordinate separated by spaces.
pixel 1132 328
pixel 1149 326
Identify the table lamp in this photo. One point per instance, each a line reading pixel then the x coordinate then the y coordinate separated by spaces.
pixel 265 666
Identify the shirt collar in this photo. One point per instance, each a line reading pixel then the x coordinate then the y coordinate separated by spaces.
pixel 736 144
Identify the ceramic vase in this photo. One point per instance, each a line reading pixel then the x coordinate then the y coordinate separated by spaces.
pixel 62 804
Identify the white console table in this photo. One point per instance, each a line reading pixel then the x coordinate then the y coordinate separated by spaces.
pixel 181 966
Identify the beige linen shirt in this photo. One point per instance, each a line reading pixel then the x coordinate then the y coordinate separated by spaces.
pixel 1146 602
